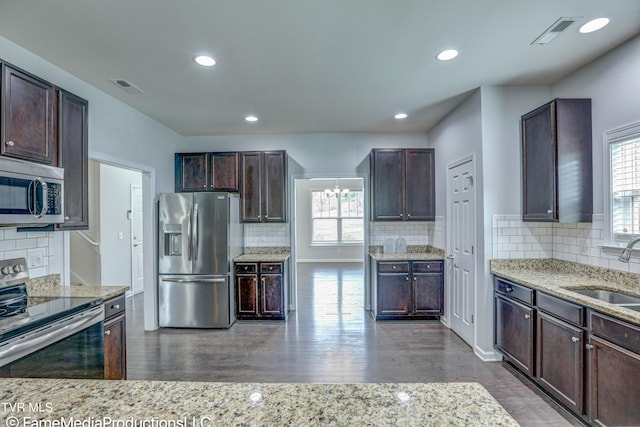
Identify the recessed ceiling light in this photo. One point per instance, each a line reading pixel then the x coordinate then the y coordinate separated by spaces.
pixel 594 25
pixel 205 61
pixel 447 55
pixel 251 118
pixel 400 116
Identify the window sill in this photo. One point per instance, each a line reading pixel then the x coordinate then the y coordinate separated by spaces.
pixel 336 245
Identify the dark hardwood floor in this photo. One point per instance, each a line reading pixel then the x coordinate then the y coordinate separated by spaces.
pixel 329 339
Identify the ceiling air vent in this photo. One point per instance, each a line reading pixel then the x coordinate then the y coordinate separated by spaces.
pixel 126 86
pixel 554 30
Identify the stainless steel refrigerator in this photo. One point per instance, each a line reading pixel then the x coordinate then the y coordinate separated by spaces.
pixel 199 235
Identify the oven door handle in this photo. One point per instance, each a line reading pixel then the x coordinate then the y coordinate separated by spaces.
pixel 33 341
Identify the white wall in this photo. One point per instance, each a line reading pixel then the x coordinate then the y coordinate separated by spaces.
pixel 115 202
pixel 119 133
pixel 304 250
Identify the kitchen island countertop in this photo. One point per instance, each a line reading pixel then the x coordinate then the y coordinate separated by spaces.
pixel 201 404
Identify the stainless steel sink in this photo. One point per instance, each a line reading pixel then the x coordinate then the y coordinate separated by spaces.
pixel 611 297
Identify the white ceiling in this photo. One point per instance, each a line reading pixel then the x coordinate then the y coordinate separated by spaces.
pixel 309 65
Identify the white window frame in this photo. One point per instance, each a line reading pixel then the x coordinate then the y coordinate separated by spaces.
pixel 611 137
pixel 339 219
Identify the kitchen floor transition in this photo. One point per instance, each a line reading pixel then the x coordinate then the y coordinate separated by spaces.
pixel 329 339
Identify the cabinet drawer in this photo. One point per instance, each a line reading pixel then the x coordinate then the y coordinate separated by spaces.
pixel 515 291
pixel 565 310
pixel 393 267
pixel 274 268
pixel 114 306
pixel 427 266
pixel 246 268
pixel 618 332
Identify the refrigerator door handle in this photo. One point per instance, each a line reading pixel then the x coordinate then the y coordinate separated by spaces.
pixel 195 231
pixel 218 280
pixel 189 246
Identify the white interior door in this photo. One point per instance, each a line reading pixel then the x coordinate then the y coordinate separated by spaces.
pixel 137 272
pixel 461 242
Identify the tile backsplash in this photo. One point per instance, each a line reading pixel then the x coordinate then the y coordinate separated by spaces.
pixel 415 233
pixel 41 248
pixel 266 235
pixel 576 242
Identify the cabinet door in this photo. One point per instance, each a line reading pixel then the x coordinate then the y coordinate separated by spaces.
pixel 394 295
pixel 514 327
pixel 74 158
pixel 274 187
pixel 115 360
pixel 560 364
pixel 388 185
pixel 224 172
pixel 191 172
pixel 420 186
pixel 427 293
pixel 28 117
pixel 250 197
pixel 247 295
pixel 615 389
pixel 271 295
pixel 539 149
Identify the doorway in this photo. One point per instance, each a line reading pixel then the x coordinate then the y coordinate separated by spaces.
pixel 111 251
pixel 461 243
pixel 328 239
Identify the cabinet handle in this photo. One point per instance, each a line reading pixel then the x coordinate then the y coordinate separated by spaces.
pixel 527 316
pixel 588 346
pixel 549 211
pixel 575 339
pixel 10 143
pixel 107 332
pixel 508 289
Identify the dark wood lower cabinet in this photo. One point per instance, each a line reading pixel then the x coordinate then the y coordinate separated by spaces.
pixel 261 290
pixel 514 333
pixel 394 295
pixel 115 339
pixel 560 360
pixel 427 291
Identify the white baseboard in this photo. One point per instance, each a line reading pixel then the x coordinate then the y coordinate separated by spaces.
pixel 331 260
pixel 487 356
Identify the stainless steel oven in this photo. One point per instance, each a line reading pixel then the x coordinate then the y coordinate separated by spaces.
pixel 48 337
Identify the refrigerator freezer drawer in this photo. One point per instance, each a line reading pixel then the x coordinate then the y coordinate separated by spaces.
pixel 195 302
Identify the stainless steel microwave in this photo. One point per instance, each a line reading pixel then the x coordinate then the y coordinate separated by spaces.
pixel 30 193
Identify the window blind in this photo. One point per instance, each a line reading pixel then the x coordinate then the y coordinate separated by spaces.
pixel 625 187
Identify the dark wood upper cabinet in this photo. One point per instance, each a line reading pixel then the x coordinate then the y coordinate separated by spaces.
pixel 263 192
pixel 224 172
pixel 28 117
pixel 191 172
pixel 206 172
pixel 557 174
pixel 74 158
pixel 403 184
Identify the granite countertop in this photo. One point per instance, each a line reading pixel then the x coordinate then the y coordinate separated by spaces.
pixel 559 277
pixel 49 286
pixel 264 254
pixel 195 404
pixel 414 253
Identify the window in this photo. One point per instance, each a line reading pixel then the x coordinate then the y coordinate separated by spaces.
pixel 624 154
pixel 337 219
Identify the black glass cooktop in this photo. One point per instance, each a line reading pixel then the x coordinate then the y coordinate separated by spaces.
pixel 38 311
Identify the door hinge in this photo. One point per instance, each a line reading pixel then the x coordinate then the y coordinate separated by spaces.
pixel 471 250
pixel 472 318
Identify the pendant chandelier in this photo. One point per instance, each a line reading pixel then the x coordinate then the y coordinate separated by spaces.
pixel 336 191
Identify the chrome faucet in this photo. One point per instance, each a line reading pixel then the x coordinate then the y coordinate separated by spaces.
pixel 626 253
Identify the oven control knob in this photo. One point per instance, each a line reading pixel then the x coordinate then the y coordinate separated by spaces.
pixel 6 270
pixel 18 268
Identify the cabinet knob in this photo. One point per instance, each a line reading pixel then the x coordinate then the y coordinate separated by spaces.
pixel 107 332
pixel 527 316
pixel 406 278
pixel 549 211
pixel 588 346
pixel 400 215
pixel 115 306
pixel 415 279
pixel 10 143
pixel 428 266
pixel 508 289
pixel 394 267
pixel 575 339
pixel 270 268
pixel 66 218
pixel 408 214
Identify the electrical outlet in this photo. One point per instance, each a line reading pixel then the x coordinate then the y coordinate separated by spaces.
pixel 120 235
pixel 583 246
pixel 34 260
